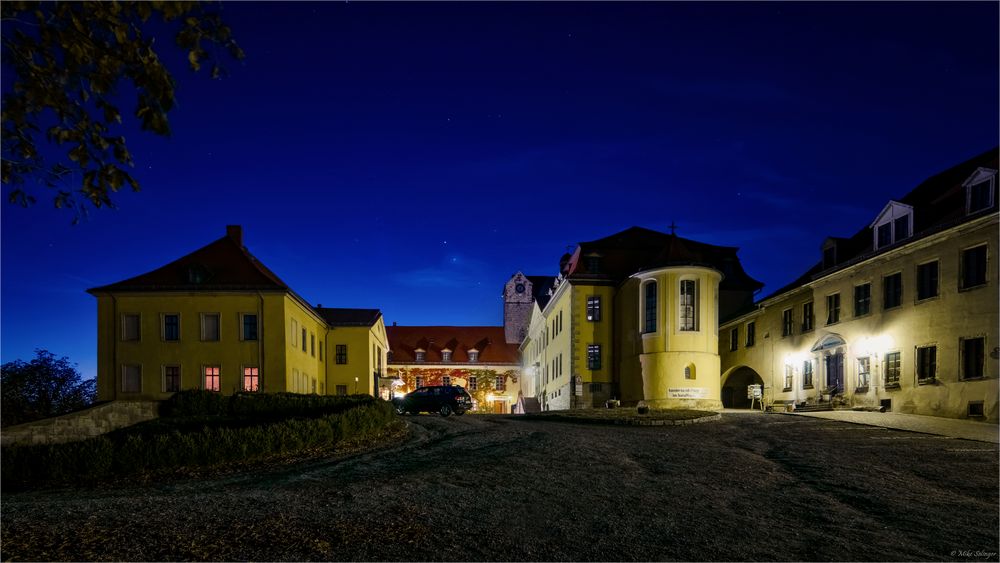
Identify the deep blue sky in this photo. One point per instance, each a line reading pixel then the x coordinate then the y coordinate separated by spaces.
pixel 412 157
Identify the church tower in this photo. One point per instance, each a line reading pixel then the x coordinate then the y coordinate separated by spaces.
pixel 517 303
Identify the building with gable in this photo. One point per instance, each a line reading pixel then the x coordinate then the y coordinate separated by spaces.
pixel 902 315
pixel 477 358
pixel 218 319
pixel 632 316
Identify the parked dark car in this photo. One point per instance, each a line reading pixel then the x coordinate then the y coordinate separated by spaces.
pixel 444 399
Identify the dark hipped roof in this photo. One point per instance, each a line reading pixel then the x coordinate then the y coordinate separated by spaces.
pixel 221 265
pixel 489 340
pixel 540 286
pixel 349 317
pixel 637 249
pixel 938 203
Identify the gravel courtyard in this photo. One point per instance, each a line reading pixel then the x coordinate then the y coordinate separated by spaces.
pixel 748 487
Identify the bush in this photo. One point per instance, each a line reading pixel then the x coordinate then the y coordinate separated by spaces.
pixel 195 402
pixel 138 450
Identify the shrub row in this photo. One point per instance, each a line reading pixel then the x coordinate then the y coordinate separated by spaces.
pixel 196 402
pixel 127 453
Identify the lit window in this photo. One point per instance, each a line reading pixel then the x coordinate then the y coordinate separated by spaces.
pixel 862 299
pixel 649 324
pixel 446 355
pixel 974 267
pixel 446 381
pixel 500 384
pixel 249 326
pixel 927 280
pixel 212 382
pixel 251 379
pixel 419 355
pixel 892 291
pixel 688 305
pixel 132 378
pixel 832 308
pixel 473 356
pixel 594 308
pixel 171 379
pixel 341 354
pixel 171 327
pixel 807 374
pixel 789 376
pixel 130 327
pixel 210 327
pixel 864 372
pixel 473 383
pixel 594 357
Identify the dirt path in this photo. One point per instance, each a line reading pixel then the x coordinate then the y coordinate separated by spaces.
pixel 751 487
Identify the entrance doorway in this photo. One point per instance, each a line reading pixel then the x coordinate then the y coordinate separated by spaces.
pixel 835 371
pixel 734 387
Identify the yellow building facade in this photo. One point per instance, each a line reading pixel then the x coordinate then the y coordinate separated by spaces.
pixel 631 317
pixel 903 316
pixel 217 319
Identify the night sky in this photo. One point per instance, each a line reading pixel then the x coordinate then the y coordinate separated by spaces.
pixel 411 157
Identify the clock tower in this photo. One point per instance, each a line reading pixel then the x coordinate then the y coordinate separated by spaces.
pixel 517 302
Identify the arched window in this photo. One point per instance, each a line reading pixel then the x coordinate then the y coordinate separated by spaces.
pixel 689 372
pixel 688 303
pixel 649 308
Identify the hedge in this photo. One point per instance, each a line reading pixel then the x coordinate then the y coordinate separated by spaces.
pixel 124 453
pixel 258 405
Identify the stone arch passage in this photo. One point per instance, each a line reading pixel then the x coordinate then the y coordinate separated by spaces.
pixel 734 387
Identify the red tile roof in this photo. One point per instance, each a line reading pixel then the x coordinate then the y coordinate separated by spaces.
pixel 349 317
pixel 489 340
pixel 221 265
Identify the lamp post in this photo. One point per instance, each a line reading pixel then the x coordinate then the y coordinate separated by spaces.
pixel 355 385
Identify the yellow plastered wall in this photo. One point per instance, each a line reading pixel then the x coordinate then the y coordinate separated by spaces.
pixel 304 372
pixel 190 352
pixel 365 345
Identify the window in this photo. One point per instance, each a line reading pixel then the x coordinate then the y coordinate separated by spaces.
pixel 973 267
pixel 500 384
pixel 130 327
pixel 688 305
pixel 902 227
pixel 751 333
pixel 251 379
pixel 446 381
pixel 649 316
pixel 896 226
pixel 832 308
pixel 734 339
pixel 862 299
pixel 249 326
pixel 445 355
pixel 341 390
pixel 926 363
pixel 172 327
pixel 596 387
pixel 864 373
pixel 171 379
pixel 892 369
pixel 594 357
pixel 789 377
pixel 594 308
pixel 419 355
pixel 884 235
pixel 892 290
pixel 927 280
pixel 210 327
pixel 975 409
pixel 419 381
pixel 303 339
pixel 132 378
pixel 593 264
pixel 341 354
pixel 807 374
pixel 689 372
pixel 473 356
pixel 807 317
pixel 786 322
pixel 473 383
pixel 980 195
pixel 829 256
pixel 212 382
pixel 321 353
pixel 973 357
pixel 312 344
pixel 295 333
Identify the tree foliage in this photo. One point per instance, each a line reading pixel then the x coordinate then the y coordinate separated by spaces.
pixel 68 60
pixel 46 386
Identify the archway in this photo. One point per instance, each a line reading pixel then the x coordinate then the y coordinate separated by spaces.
pixel 734 387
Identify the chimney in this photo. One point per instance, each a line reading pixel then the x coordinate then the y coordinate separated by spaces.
pixel 235 232
pixel 393 323
pixel 319 305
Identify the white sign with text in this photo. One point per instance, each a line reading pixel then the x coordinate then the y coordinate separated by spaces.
pixel 687 393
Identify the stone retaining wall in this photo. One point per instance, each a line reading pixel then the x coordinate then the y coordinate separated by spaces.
pixel 81 425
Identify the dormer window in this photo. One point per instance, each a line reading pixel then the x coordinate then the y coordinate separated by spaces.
pixel 593 264
pixel 829 256
pixel 446 355
pixel 473 356
pixel 979 190
pixel 893 224
pixel 419 355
